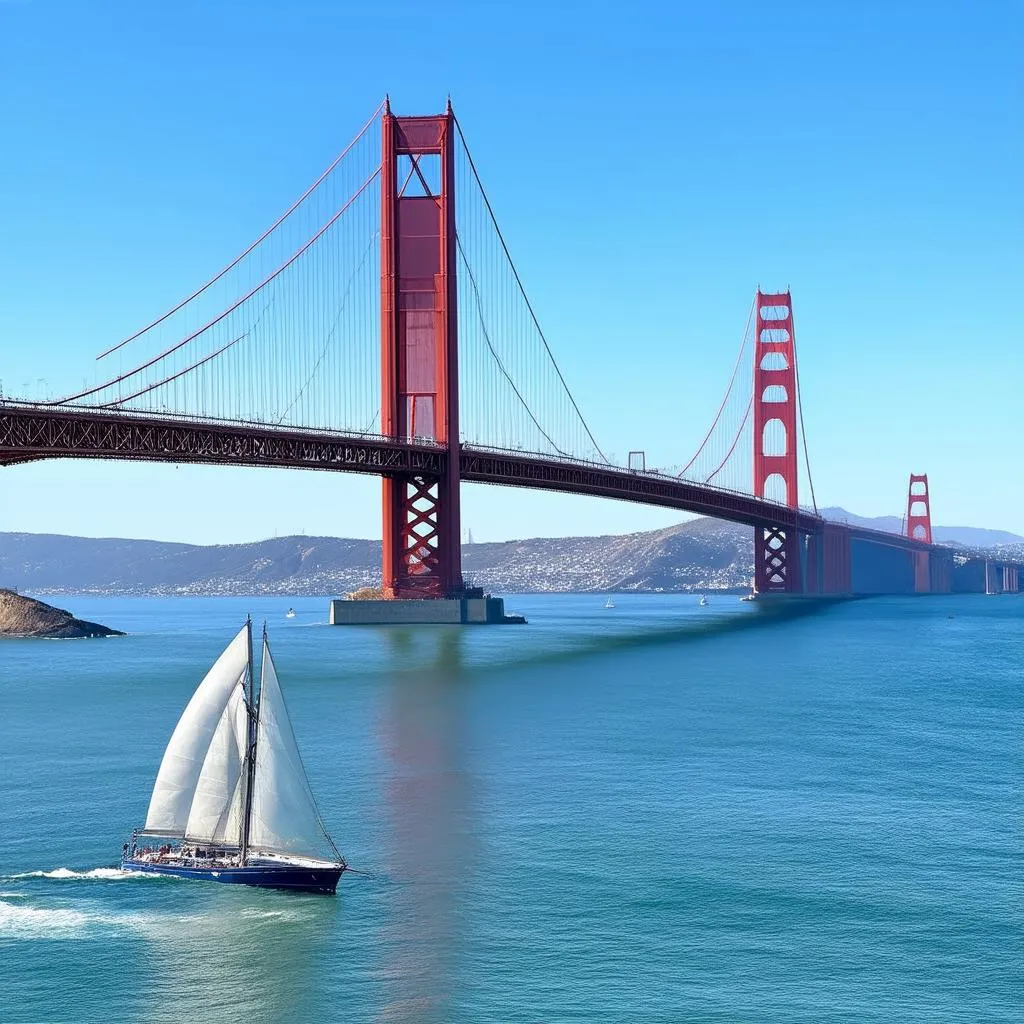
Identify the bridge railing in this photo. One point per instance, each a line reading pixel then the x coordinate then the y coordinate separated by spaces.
pixel 171 418
pixel 289 432
pixel 652 473
pixel 424 443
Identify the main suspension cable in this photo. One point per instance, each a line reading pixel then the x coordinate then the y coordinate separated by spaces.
pixel 735 441
pixel 273 227
pixel 728 392
pixel 217 319
pixel 117 402
pixel 330 334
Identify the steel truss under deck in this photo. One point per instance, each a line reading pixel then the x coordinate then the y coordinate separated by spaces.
pixel 32 432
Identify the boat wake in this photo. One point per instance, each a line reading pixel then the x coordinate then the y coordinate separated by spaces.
pixel 104 874
pixel 26 922
pixel 289 915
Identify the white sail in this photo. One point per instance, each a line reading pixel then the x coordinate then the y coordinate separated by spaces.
pixel 185 755
pixel 215 815
pixel 284 816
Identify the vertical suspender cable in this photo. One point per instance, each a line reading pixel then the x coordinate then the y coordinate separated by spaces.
pixel 522 290
pixel 803 432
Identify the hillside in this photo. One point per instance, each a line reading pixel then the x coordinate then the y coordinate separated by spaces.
pixel 53 564
pixel 703 554
pixel 699 554
pixel 696 555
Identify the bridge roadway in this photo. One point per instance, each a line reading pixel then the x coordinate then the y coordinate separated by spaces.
pixel 31 432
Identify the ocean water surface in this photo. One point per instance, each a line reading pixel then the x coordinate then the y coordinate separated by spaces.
pixel 652 813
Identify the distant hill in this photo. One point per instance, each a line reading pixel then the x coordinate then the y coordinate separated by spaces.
pixel 968 536
pixel 702 554
pixel 53 564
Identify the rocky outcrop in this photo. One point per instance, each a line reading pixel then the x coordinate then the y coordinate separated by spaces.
pixel 24 616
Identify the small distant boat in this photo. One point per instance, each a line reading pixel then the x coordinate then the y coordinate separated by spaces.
pixel 609 603
pixel 290 614
pixel 231 801
pixel 703 601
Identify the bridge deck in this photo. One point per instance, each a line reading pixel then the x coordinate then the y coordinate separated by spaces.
pixel 32 432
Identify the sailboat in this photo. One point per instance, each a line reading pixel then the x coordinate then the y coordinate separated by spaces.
pixel 609 603
pixel 231 801
pixel 703 601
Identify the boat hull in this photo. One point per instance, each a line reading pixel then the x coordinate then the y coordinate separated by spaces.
pixel 263 876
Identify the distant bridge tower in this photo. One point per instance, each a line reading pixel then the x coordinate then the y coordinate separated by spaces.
pixel 419 351
pixel 919 510
pixel 919 527
pixel 776 549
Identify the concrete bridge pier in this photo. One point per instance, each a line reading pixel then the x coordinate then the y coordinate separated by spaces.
pixel 836 562
pixel 1001 578
pixel 826 561
pixel 940 571
pixel 1011 579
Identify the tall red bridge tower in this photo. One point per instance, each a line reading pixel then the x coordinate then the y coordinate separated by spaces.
pixel 776 549
pixel 919 510
pixel 919 527
pixel 419 352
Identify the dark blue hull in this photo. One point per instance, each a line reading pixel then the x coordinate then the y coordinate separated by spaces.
pixel 264 876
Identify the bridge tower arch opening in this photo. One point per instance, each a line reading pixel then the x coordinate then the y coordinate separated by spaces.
pixel 419 352
pixel 776 548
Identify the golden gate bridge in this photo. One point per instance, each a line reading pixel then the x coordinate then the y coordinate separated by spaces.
pixel 380 326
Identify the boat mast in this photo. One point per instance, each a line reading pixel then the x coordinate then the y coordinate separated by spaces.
pixel 252 708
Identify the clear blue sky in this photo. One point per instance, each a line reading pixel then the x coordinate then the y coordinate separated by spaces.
pixel 650 165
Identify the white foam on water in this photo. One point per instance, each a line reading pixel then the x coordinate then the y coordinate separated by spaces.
pixel 27 922
pixel 36 922
pixel 280 915
pixel 106 874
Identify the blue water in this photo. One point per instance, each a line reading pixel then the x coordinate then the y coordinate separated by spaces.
pixel 653 813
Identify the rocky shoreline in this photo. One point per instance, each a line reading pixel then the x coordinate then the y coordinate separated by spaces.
pixel 22 616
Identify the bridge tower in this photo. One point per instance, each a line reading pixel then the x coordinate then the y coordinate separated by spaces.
pixel 919 527
pixel 419 352
pixel 776 548
pixel 919 510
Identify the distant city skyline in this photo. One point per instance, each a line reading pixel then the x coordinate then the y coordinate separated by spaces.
pixel 650 168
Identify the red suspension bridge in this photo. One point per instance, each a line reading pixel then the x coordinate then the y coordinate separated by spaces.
pixel 380 326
